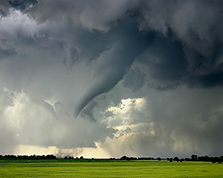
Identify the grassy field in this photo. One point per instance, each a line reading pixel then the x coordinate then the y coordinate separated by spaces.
pixel 62 168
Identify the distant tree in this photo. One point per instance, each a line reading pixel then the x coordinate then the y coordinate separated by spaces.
pixel 123 158
pixel 187 159
pixel 128 159
pixel 68 157
pixel 176 159
pixel 215 160
pixel 133 158
pixel 159 159
pixel 203 158
pixel 50 157
pixel 194 157
pixel 81 157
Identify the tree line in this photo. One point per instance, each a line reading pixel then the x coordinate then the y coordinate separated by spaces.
pixel 192 158
pixel 50 156
pixel 126 158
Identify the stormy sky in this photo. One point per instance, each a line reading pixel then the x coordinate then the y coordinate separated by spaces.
pixel 107 78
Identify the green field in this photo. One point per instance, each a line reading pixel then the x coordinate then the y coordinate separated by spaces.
pixel 62 168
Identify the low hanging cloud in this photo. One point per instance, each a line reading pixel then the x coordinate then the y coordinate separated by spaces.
pixel 170 122
pixel 192 42
pixel 75 64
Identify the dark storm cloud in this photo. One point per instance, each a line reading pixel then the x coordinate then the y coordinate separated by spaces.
pixel 134 79
pixel 4 53
pixel 198 57
pixel 88 110
pixel 99 14
pixel 21 4
pixel 60 56
pixel 4 6
pixel 117 60
pixel 163 62
pixel 184 30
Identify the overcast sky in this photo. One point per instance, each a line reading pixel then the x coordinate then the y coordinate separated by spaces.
pixel 107 78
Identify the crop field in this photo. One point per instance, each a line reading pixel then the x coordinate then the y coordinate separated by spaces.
pixel 61 168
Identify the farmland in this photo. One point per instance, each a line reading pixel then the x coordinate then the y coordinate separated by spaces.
pixel 105 168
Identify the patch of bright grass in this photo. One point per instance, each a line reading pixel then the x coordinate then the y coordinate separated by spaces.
pixel 73 168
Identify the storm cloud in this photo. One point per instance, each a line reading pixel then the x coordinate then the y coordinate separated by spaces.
pixel 137 77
